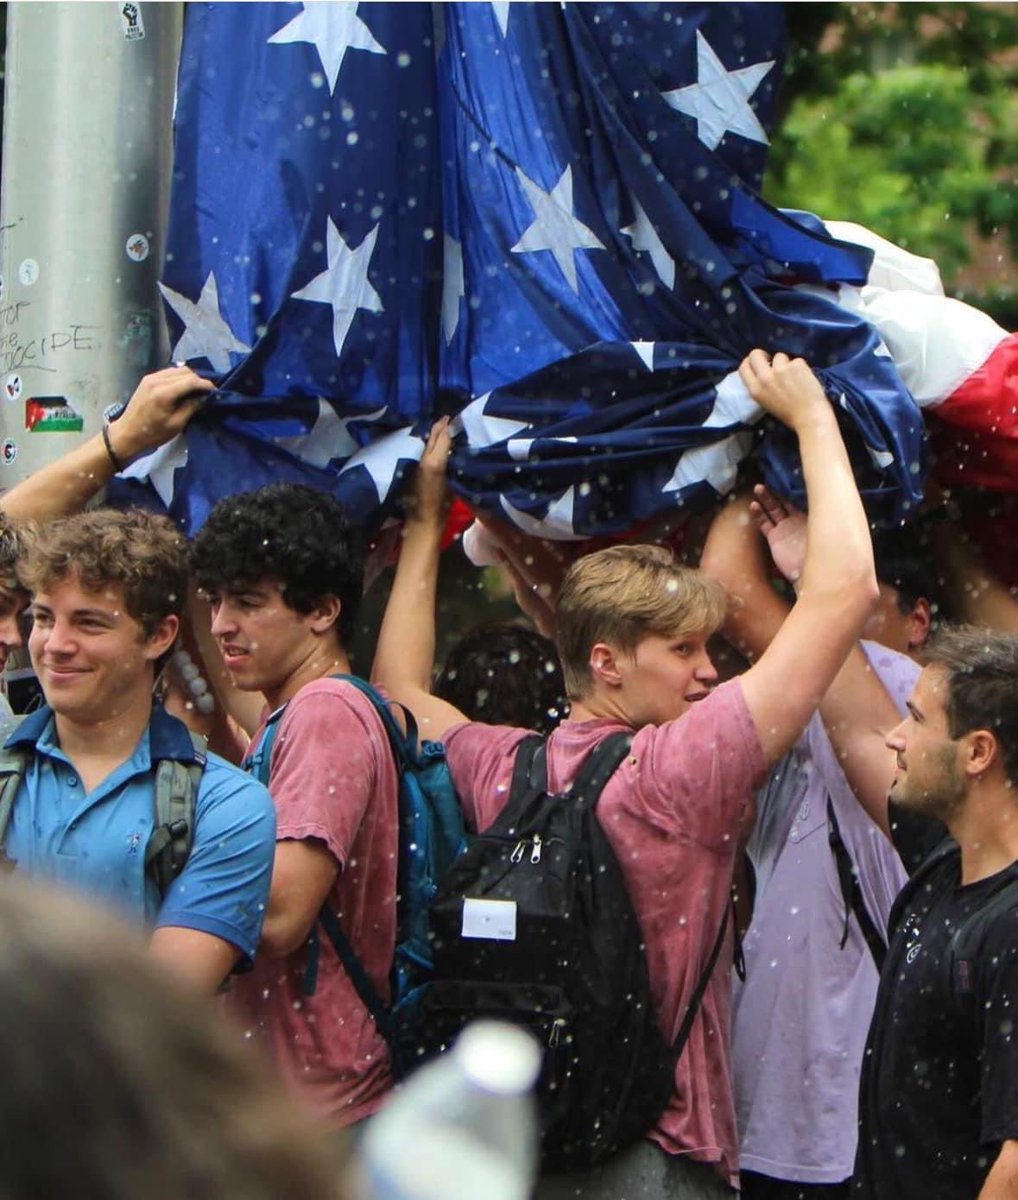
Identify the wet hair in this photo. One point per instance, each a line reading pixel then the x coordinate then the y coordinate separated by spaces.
pixel 981 666
pixel 288 534
pixel 144 554
pixel 904 560
pixel 14 542
pixel 504 674
pixel 121 1085
pixel 622 595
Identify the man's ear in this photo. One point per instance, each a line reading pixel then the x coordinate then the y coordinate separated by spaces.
pixel 325 613
pixel 604 666
pixel 919 621
pixel 981 752
pixel 162 637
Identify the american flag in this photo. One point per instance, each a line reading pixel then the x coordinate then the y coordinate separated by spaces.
pixel 542 219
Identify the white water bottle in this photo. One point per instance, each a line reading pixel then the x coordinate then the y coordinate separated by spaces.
pixel 462 1128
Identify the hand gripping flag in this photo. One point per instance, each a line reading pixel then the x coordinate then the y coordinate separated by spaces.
pixel 539 218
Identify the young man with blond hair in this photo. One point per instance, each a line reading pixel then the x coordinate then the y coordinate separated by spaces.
pixel 632 631
pixel 107 590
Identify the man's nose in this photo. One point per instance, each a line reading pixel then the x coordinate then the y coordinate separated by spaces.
pixel 222 620
pixel 895 740
pixel 706 672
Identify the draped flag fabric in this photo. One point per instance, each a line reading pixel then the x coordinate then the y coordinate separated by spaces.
pixel 541 219
pixel 959 364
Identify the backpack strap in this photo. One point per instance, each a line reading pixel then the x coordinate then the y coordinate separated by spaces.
pixel 851 892
pixel 530 769
pixel 13 764
pixel 176 792
pixel 259 763
pixel 693 1007
pixel 404 750
pixel 360 979
pixel 598 768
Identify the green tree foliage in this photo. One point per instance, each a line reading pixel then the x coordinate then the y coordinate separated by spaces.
pixel 904 118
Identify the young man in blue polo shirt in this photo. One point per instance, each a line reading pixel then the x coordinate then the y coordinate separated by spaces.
pixel 107 591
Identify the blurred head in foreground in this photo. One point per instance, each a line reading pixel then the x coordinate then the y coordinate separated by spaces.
pixel 118 1085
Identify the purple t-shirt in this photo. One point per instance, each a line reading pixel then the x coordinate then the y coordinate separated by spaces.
pixel 671 813
pixel 799 1021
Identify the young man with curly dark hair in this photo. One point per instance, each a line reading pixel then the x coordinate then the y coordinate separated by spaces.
pixel 107 590
pixel 282 570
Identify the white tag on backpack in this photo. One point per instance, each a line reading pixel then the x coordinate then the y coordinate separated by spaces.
pixel 492 919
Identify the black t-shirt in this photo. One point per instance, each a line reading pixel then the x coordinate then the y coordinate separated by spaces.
pixel 939 1086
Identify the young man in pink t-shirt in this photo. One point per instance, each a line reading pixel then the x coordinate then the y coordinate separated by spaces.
pixel 283 573
pixel 632 630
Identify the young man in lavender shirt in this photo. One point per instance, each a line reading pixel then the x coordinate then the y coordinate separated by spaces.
pixel 802 1008
pixel 632 630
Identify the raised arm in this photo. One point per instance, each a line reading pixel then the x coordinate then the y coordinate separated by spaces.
pixel 974 591
pixel 405 653
pixel 735 554
pixel 856 709
pixel 838 587
pixel 161 406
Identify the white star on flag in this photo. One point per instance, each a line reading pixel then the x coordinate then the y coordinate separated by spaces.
pixel 328 438
pixel 384 455
pixel 332 29
pixel 646 352
pixel 159 467
pixel 719 100
pixel 519 448
pixel 556 524
pixel 452 287
pixel 645 237
pixel 206 334
pixel 481 428
pixel 717 464
pixel 554 227
pixel 733 405
pixel 345 284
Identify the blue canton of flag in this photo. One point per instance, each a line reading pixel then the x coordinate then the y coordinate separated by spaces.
pixel 541 218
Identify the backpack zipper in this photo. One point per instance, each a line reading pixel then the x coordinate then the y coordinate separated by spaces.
pixel 555 1034
pixel 536 845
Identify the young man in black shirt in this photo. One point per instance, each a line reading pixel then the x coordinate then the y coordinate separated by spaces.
pixel 939 1090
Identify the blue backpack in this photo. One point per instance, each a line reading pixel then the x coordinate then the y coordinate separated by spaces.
pixel 430 836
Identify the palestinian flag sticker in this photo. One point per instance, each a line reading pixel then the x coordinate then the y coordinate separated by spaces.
pixel 52 414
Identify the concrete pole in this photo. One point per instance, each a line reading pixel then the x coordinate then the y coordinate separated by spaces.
pixel 87 155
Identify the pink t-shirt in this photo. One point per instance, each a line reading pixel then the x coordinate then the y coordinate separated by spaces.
pixel 333 779
pixel 671 813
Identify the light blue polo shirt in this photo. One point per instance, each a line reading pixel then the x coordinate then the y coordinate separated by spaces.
pixel 95 841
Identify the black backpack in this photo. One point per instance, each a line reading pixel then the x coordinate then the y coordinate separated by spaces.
pixel 532 924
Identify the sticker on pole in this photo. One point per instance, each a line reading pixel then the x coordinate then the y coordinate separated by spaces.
pixel 8 451
pixel 12 387
pixel 28 271
pixel 137 247
pixel 130 19
pixel 52 414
